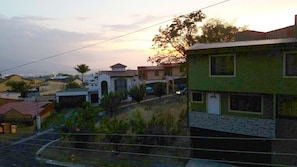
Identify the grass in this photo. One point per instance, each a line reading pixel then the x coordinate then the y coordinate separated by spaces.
pixel 97 155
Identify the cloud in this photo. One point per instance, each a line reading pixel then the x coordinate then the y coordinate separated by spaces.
pixel 24 42
pixel 27 47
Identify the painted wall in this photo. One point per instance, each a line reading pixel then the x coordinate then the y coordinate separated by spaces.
pixel 259 71
pixel 101 78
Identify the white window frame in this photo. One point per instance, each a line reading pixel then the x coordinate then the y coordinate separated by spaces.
pixel 285 65
pixel 202 97
pixel 234 73
pixel 240 111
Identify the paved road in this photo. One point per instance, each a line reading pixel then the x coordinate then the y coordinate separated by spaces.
pixel 21 153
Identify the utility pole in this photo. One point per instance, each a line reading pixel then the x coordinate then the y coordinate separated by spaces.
pixel 38 125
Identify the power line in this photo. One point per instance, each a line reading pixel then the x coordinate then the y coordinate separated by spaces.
pixel 101 42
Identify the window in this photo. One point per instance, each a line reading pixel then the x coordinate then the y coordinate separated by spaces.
pixel 168 71
pixel 141 74
pixel 222 65
pixel 290 64
pixel 120 85
pixel 287 106
pixel 247 103
pixel 156 73
pixel 197 97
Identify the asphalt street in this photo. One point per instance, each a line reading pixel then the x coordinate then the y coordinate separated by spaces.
pixel 21 153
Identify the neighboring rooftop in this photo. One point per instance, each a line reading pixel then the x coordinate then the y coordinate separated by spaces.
pixel 118 67
pixel 202 46
pixel 285 32
pixel 26 108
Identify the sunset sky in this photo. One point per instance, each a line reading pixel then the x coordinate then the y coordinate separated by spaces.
pixel 35 34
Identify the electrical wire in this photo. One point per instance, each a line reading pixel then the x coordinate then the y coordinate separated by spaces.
pixel 101 42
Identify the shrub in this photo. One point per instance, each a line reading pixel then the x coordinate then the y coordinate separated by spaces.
pixel 137 93
pixel 111 102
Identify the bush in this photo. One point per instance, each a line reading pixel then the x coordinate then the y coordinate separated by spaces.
pixel 111 102
pixel 137 93
pixel 111 127
pixel 159 89
pixel 79 123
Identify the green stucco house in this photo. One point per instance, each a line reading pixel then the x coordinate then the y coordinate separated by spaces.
pixel 246 90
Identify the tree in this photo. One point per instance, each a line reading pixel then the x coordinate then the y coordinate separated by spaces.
pixel 82 68
pixel 137 93
pixel 79 123
pixel 111 102
pixel 73 85
pixel 217 30
pixel 19 86
pixel 171 43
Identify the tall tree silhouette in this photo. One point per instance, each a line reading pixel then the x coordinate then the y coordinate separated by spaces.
pixel 82 68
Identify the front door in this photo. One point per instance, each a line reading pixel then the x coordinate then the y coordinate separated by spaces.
pixel 213 103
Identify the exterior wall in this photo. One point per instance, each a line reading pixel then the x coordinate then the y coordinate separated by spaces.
pixel 230 124
pixel 176 71
pixel 10 95
pixel 150 75
pixel 130 81
pixel 102 78
pixel 72 93
pixel 259 71
pixel 149 72
pixel 50 87
pixel 267 109
pixel 94 85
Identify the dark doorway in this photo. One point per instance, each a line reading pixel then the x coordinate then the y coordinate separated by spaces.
pixel 94 98
pixel 104 88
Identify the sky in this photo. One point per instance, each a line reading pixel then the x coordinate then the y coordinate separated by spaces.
pixel 39 37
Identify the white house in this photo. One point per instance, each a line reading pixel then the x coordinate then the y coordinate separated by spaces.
pixel 118 79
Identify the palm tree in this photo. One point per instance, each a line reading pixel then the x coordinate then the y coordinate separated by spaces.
pixel 82 68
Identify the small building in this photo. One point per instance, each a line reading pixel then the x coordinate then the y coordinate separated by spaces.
pixel 22 112
pixel 71 98
pixel 170 74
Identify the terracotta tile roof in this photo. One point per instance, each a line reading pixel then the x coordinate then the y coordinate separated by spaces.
pixel 23 107
pixel 118 65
